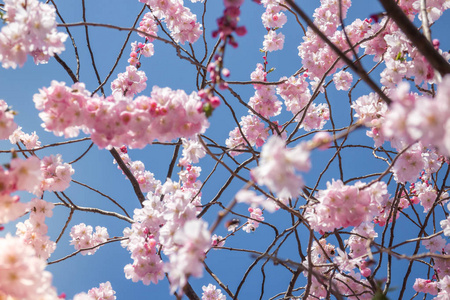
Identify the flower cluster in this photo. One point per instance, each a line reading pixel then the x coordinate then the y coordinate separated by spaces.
pixel 189 176
pixel 118 120
pixel 192 152
pixel 425 286
pixel 411 118
pixel 357 242
pixel 424 193
pixel 217 241
pixel 31 141
pixel 321 253
pixel 343 205
pixel 445 224
pixel 34 231
pixel 264 102
pixel 22 175
pixel 103 292
pixel 370 110
pixel 252 129
pixel 273 41
pixel 171 224
pixel 146 179
pixel 342 80
pixel 129 83
pixel 278 165
pixel 210 292
pixel 57 175
pixel 30 30
pixel 436 244
pixel 167 222
pixel 23 274
pixel 83 237
pixel 317 57
pixel 402 59
pixel 228 22
pixel 138 49
pixel 149 26
pixel 142 242
pixel 181 22
pixel 408 165
pixel 273 19
pixel 191 243
pixel 63 108
pixel 254 220
pixel 296 95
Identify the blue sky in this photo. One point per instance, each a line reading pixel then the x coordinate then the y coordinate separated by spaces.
pixel 81 273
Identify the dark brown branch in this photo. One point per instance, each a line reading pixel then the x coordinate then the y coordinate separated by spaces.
pixel 189 292
pixel 82 155
pixel 75 48
pixel 104 195
pixel 66 67
pixel 130 176
pixel 177 47
pixel 88 42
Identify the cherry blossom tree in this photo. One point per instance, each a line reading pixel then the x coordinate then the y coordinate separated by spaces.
pixel 308 159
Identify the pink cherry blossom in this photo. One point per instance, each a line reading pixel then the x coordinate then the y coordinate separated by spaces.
pixel 27 173
pixel 103 292
pixel 253 221
pixel 254 131
pixel 30 30
pixel 193 240
pixel 444 284
pixel 129 83
pixel 210 292
pixel 34 231
pixel 182 23
pixel 118 119
pixel 83 237
pixel 10 208
pixel 31 141
pixel 23 275
pixel 145 178
pixel 343 206
pixel 149 26
pixel 273 41
pixel 425 286
pixel 192 151
pixel 217 241
pixel 435 244
pixel 342 80
pixel 277 167
pixel 57 175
